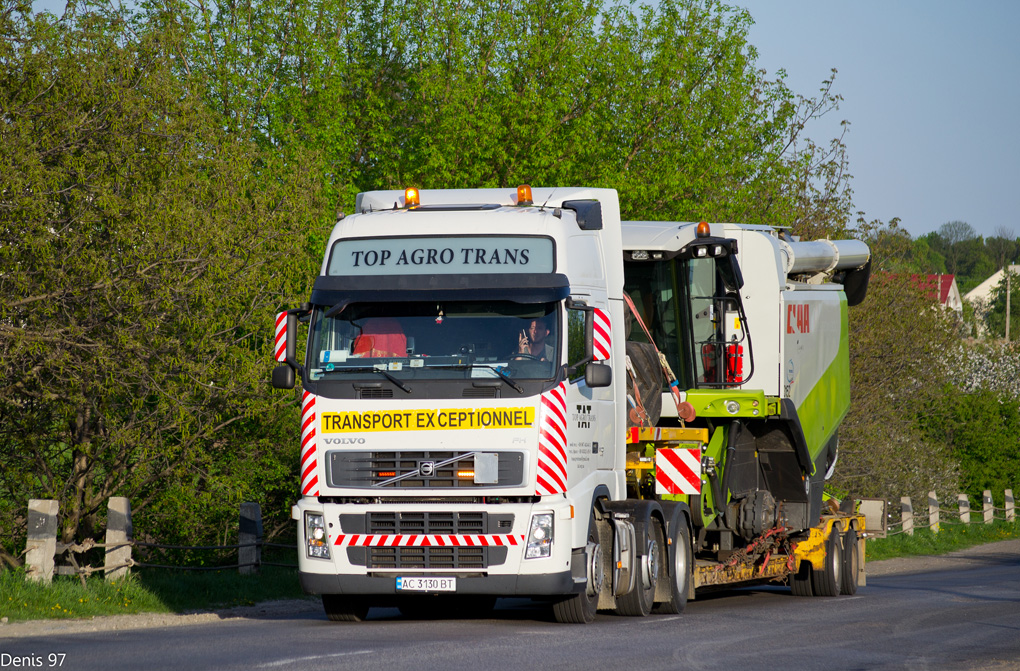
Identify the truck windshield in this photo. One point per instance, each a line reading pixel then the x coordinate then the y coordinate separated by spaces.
pixel 435 341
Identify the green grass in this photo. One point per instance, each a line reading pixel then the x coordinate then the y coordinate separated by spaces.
pixel 146 591
pixel 950 537
pixel 164 591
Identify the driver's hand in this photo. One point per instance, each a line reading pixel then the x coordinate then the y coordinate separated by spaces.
pixel 522 343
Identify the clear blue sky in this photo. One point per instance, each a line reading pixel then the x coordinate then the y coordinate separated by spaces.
pixel 932 91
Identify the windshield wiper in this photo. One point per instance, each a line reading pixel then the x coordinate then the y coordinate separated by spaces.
pixel 373 369
pixel 392 379
pixel 503 376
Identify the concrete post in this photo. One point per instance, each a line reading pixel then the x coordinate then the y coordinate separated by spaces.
pixel 119 533
pixel 933 512
pixel 964 505
pixel 249 535
pixel 907 515
pixel 1010 506
pixel 989 509
pixel 42 539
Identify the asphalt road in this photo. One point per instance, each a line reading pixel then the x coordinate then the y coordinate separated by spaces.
pixel 955 612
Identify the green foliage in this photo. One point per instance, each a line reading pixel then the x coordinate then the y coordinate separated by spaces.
pixel 662 102
pixel 896 339
pixel 145 250
pixel 995 315
pixel 983 430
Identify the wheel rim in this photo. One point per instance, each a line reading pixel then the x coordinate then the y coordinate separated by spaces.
pixel 651 565
pixel 680 563
pixel 837 560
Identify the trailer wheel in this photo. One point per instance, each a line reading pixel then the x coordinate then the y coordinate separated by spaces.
pixel 680 570
pixel 581 608
pixel 828 581
pixel 344 608
pixel 800 582
pixel 639 601
pixel 851 563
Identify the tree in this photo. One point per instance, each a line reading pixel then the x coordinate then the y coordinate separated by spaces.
pixel 898 341
pixel 995 315
pixel 951 234
pixel 144 251
pixel 1003 247
pixel 662 102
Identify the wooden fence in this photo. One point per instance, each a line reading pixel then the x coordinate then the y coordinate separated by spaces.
pixel 42 548
pixel 955 512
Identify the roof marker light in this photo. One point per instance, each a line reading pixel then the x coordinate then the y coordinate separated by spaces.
pixel 524 195
pixel 703 230
pixel 411 197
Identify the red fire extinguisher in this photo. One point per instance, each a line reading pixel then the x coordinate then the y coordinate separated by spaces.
pixel 734 363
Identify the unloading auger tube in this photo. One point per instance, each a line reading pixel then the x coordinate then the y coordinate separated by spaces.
pixel 823 256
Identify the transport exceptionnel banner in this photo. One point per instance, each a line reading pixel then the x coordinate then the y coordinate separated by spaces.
pixel 429 420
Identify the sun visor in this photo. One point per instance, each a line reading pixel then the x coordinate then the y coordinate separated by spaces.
pixel 518 288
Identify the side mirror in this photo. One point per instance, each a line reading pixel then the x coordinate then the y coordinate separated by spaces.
pixel 283 377
pixel 598 375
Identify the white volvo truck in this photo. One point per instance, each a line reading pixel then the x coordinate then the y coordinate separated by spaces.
pixel 472 426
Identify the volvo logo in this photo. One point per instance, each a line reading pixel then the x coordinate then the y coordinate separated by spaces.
pixel 426 468
pixel 345 441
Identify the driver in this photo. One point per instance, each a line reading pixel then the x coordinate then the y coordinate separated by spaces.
pixel 532 341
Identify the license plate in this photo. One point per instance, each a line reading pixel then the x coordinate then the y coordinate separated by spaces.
pixel 416 584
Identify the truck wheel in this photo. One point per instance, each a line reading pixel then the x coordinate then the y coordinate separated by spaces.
pixel 639 601
pixel 851 563
pixel 581 608
pixel 828 581
pixel 800 582
pixel 343 608
pixel 680 570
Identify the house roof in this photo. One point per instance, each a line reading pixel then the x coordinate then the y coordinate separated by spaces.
pixel 983 291
pixel 938 287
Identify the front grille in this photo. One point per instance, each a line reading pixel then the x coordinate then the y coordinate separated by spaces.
pixel 432 523
pixel 430 558
pixel 405 469
pixel 426 522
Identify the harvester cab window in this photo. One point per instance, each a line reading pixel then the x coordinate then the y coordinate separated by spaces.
pixel 718 327
pixel 654 289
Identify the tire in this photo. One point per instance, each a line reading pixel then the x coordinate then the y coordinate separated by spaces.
pixel 343 608
pixel 581 608
pixel 639 601
pixel 800 582
pixel 680 572
pixel 851 563
pixel 648 375
pixel 828 581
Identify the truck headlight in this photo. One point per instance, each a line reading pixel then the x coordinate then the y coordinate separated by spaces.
pixel 540 537
pixel 315 536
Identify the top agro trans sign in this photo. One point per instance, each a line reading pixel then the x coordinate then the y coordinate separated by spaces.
pixel 442 256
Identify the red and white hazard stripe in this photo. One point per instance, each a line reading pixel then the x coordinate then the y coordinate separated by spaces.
pixel 552 442
pixel 428 540
pixel 678 471
pixel 280 344
pixel 603 335
pixel 309 457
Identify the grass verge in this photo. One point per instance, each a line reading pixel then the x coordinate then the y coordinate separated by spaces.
pixel 950 537
pixel 146 591
pixel 167 591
